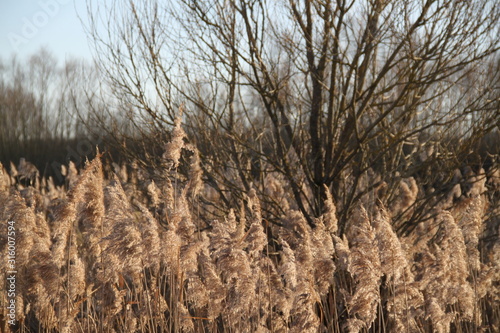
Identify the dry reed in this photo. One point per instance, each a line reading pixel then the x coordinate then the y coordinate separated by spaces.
pixel 110 256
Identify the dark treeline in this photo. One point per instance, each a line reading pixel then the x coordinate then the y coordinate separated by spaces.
pixel 44 108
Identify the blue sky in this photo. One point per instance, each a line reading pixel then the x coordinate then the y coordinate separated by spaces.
pixel 28 25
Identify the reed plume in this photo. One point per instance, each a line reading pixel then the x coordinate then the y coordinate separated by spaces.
pixel 173 148
pixel 443 278
pixel 123 247
pixel 469 216
pixel 365 268
pixel 405 197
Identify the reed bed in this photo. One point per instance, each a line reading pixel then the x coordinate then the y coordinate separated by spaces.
pixel 124 254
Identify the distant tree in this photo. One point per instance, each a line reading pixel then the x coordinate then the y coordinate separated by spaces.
pixel 318 93
pixel 39 100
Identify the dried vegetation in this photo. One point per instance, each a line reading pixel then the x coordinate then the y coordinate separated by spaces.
pixel 129 254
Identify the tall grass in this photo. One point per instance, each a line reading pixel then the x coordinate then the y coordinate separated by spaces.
pixel 114 256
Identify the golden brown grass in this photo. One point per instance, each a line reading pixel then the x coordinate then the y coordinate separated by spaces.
pixel 99 258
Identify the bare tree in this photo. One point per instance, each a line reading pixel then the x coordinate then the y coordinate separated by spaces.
pixel 316 92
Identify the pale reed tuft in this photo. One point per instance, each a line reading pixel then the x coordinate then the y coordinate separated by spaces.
pixel 443 278
pixel 440 320
pixel 154 194
pixel 173 148
pixel 365 268
pixel 322 251
pixel 469 216
pixel 213 285
pixel 255 238
pixel 392 257
pixel 195 174
pixel 406 196
pixel 233 265
pixel 151 238
pixel 5 182
pixel 330 216
pixel 66 214
pixel 288 267
pixel 124 247
pixel 72 174
pixel 274 189
pixel 187 324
